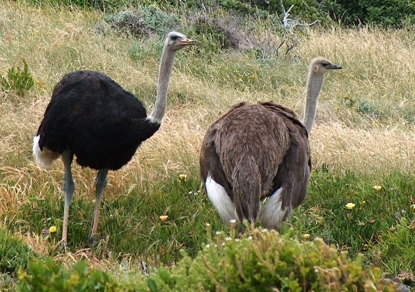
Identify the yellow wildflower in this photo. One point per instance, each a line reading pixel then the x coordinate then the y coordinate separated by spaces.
pixel 52 229
pixel 182 176
pixel 306 236
pixel 163 217
pixel 350 206
pixel 377 188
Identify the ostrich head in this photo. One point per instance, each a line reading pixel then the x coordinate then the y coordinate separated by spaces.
pixel 175 41
pixel 321 65
pixel 318 67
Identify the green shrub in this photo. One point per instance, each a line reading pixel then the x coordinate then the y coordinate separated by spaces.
pixel 302 10
pixel 18 80
pixel 258 260
pixel 7 283
pixel 395 13
pixel 210 35
pixel 266 261
pixel 387 13
pixel 49 276
pixel 144 21
pixel 14 254
pixel 244 7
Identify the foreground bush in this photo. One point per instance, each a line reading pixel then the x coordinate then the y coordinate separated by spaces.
pixel 258 261
pixel 265 261
pixel 14 254
pixel 50 276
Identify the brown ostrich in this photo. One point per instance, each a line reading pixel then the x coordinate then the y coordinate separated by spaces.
pixel 261 151
pixel 95 119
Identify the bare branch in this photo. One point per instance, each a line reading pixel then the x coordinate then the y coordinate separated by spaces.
pixel 277 50
pixel 308 24
pixel 282 6
pixel 285 20
pixel 289 23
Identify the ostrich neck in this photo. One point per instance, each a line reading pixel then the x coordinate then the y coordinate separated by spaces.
pixel 314 84
pixel 166 66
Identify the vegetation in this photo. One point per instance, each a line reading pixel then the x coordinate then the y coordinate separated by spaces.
pixel 48 276
pixel 256 261
pixel 18 80
pixel 13 253
pixel 361 196
pixel 390 13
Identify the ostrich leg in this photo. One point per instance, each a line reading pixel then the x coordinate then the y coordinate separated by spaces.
pixel 100 183
pixel 68 188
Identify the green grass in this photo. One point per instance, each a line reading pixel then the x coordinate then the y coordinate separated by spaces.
pixel 379 218
pixel 130 222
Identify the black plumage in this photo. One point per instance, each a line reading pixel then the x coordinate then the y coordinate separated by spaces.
pixel 101 123
pixel 94 119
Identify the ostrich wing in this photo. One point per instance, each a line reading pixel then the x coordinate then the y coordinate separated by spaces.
pixel 294 172
pixel 101 123
pixel 247 146
pixel 210 162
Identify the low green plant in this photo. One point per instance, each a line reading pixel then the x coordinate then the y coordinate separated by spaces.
pixel 211 37
pixel 49 277
pixel 14 253
pixel 7 283
pixel 18 80
pixel 266 261
pixel 258 260
pixel 390 13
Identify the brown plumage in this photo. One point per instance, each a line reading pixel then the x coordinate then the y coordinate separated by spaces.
pixel 261 151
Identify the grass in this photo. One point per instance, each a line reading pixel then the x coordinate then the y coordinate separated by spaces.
pixel 362 229
pixel 363 138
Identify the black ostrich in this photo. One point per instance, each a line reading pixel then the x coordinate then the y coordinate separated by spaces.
pixel 95 119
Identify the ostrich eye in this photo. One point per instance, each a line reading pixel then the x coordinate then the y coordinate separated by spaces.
pixel 324 64
pixel 174 38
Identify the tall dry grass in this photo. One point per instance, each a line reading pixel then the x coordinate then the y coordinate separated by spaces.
pixel 376 69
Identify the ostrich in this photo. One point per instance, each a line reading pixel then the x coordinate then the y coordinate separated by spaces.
pixel 95 119
pixel 261 151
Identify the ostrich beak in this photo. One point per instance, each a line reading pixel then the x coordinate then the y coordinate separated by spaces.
pixel 334 66
pixel 186 42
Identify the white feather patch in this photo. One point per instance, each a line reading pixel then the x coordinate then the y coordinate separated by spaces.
pixel 153 120
pixel 220 200
pixel 44 158
pixel 271 214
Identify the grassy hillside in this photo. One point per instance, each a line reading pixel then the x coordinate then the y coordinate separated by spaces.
pixel 363 136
